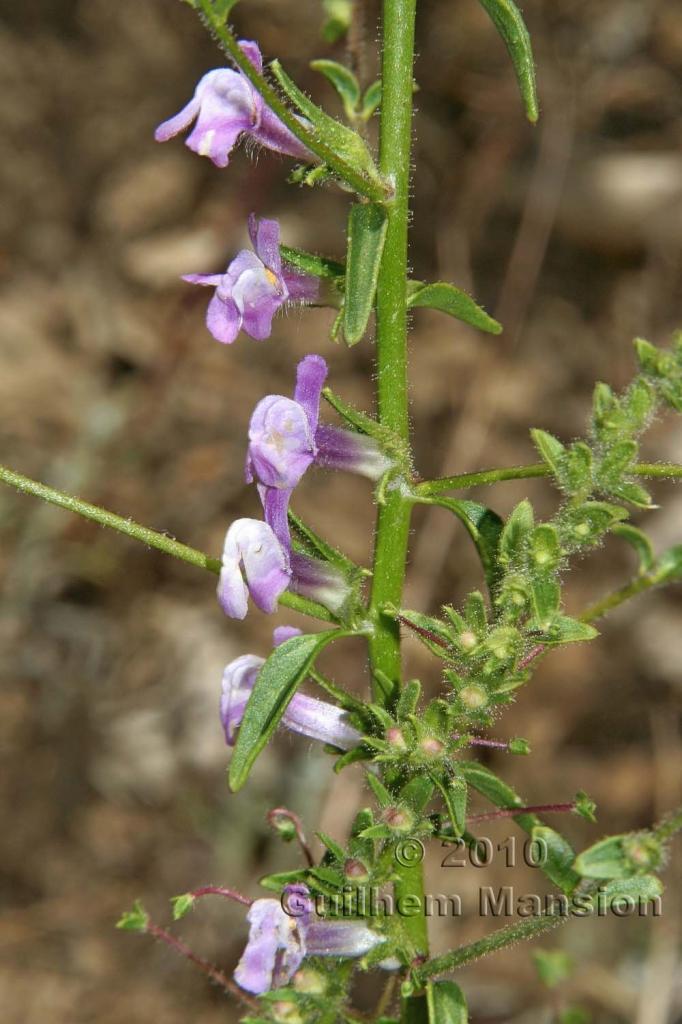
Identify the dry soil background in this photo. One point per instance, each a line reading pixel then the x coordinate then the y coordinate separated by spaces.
pixel 113 781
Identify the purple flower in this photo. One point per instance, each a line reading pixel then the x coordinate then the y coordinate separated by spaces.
pixel 254 562
pixel 313 718
pixel 310 577
pixel 225 105
pixel 254 287
pixel 285 436
pixel 282 933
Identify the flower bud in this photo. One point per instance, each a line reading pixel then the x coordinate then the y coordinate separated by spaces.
pixel 310 982
pixel 643 851
pixel 283 825
pixel 398 819
pixel 468 640
pixel 285 1013
pixel 395 737
pixel 355 871
pixel 431 746
pixel 473 697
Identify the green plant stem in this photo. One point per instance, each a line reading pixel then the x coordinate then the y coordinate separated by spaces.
pixel 618 597
pixel 362 184
pixel 393 517
pixel 654 470
pixel 526 929
pixel 151 538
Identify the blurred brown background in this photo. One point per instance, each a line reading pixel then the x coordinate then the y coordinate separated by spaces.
pixel 113 780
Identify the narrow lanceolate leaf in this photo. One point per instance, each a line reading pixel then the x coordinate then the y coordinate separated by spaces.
pixel 371 100
pixel 277 681
pixel 551 450
pixel 484 527
pixel 509 22
pixel 668 566
pixel 638 540
pixel 310 263
pixel 557 856
pixel 446 1003
pixel 346 143
pixel 343 80
pixel 367 224
pixel 448 299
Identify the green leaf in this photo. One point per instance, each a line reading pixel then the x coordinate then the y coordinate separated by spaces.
pixel 638 890
pixel 576 471
pixel 544 547
pixel 475 612
pixel 432 632
pixel 453 301
pixel 310 263
pixel 383 797
pixel 546 596
pixel 367 225
pixel 337 852
pixel 638 540
pixel 585 806
pixel 409 698
pixel 276 881
pixel 551 450
pixel 617 461
pixel 135 920
pixel 668 566
pixel 565 630
pixel 648 357
pixel 515 535
pixel 371 100
pixel 454 793
pixel 343 80
pixel 484 527
pixel 489 785
pixel 509 23
pixel 553 966
pixel 558 864
pixel 446 1003
pixel 182 905
pixel 584 525
pixel 346 143
pixel 417 793
pixel 277 681
pixel 339 17
pixel 605 859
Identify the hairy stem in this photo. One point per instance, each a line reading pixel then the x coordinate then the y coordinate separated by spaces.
pixel 617 597
pixel 393 518
pixel 526 929
pixel 214 973
pixel 153 539
pixel 653 470
pixel 362 184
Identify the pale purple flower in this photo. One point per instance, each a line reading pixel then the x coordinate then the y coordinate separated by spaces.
pixel 254 286
pixel 254 562
pixel 285 436
pixel 225 105
pixel 310 577
pixel 316 719
pixel 283 932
